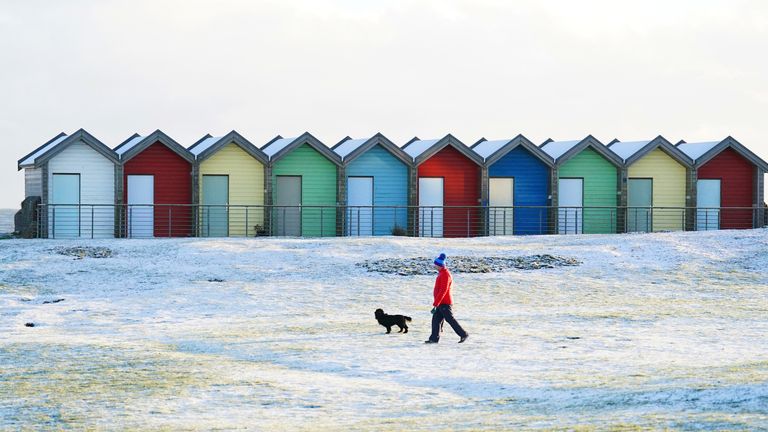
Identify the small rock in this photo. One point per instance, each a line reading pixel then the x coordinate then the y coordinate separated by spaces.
pixel 53 301
pixel 29 324
pixel 215 280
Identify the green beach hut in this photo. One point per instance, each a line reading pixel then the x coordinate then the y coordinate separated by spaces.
pixel 586 180
pixel 303 186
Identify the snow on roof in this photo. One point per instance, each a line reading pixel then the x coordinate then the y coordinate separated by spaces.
pixel 486 148
pixel 204 145
pixel 697 150
pixel 129 145
pixel 31 159
pixel 416 148
pixel 349 146
pixel 559 148
pixel 273 148
pixel 625 150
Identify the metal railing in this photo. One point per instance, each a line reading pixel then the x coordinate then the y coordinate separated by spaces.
pixel 182 220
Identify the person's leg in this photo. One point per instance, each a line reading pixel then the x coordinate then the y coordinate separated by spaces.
pixel 437 321
pixel 447 314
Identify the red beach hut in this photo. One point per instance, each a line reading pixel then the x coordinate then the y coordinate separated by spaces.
pixel 729 186
pixel 448 175
pixel 157 186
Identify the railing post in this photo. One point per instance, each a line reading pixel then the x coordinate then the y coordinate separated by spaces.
pixel 467 221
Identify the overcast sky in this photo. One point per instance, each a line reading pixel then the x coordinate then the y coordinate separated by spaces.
pixel 693 70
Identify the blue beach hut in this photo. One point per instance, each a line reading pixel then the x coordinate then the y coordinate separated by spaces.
pixel 376 173
pixel 517 185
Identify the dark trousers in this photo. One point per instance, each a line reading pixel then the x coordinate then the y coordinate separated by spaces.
pixel 444 312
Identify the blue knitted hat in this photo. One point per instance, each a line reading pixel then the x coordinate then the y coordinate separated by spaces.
pixel 440 260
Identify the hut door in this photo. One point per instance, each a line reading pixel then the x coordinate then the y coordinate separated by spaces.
pixel 708 205
pixel 502 198
pixel 359 202
pixel 215 221
pixel 141 211
pixel 570 214
pixel 287 210
pixel 639 202
pixel 65 211
pixel 431 206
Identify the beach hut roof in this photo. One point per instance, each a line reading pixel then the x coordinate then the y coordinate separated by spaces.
pixel 278 147
pixel 703 152
pixel 493 150
pixel 349 149
pixel 562 151
pixel 209 145
pixel 135 144
pixel 631 151
pixel 60 142
pixel 421 150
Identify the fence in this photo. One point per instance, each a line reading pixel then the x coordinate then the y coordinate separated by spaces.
pixel 169 220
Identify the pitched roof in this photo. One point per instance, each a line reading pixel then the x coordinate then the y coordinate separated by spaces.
pixel 421 150
pixel 279 147
pixel 208 145
pixel 136 144
pixel 558 148
pixel 698 149
pixel 487 148
pixel 632 151
pixel 492 151
pixel 60 142
pixel 348 146
pixel 30 158
pixel 272 147
pixel 627 149
pixel 349 149
pixel 562 151
pixel 416 148
pixel 703 152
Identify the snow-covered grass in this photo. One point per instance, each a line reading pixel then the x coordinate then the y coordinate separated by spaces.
pixel 652 331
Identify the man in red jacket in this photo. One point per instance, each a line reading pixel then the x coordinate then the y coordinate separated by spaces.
pixel 442 304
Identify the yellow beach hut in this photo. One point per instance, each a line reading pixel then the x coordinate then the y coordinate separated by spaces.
pixel 229 175
pixel 655 182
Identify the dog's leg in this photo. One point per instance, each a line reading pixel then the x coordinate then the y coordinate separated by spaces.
pixel 406 329
pixel 401 329
pixel 389 329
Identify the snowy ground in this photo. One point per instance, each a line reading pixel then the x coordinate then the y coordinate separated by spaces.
pixel 652 331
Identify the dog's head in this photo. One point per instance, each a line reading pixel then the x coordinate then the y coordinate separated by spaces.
pixel 379 313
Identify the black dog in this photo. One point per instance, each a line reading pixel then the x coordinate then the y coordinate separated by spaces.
pixel 389 321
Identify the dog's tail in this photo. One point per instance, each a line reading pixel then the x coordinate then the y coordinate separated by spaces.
pixel 407 318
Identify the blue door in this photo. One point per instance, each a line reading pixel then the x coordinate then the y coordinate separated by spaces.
pixel 215 209
pixel 65 210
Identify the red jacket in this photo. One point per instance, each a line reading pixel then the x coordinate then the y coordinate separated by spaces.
pixel 443 285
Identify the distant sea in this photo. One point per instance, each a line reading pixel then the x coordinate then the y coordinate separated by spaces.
pixel 6 220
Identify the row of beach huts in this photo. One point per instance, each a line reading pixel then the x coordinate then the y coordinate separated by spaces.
pixel 227 186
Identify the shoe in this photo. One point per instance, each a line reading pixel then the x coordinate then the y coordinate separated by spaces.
pixel 463 338
pixel 430 341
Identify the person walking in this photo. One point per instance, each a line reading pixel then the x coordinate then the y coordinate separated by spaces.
pixel 441 310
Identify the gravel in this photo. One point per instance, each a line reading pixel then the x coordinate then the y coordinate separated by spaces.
pixel 466 264
pixel 80 252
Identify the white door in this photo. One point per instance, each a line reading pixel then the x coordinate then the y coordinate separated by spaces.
pixel 708 205
pixel 431 207
pixel 501 199
pixel 570 214
pixel 359 202
pixel 141 211
pixel 65 218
